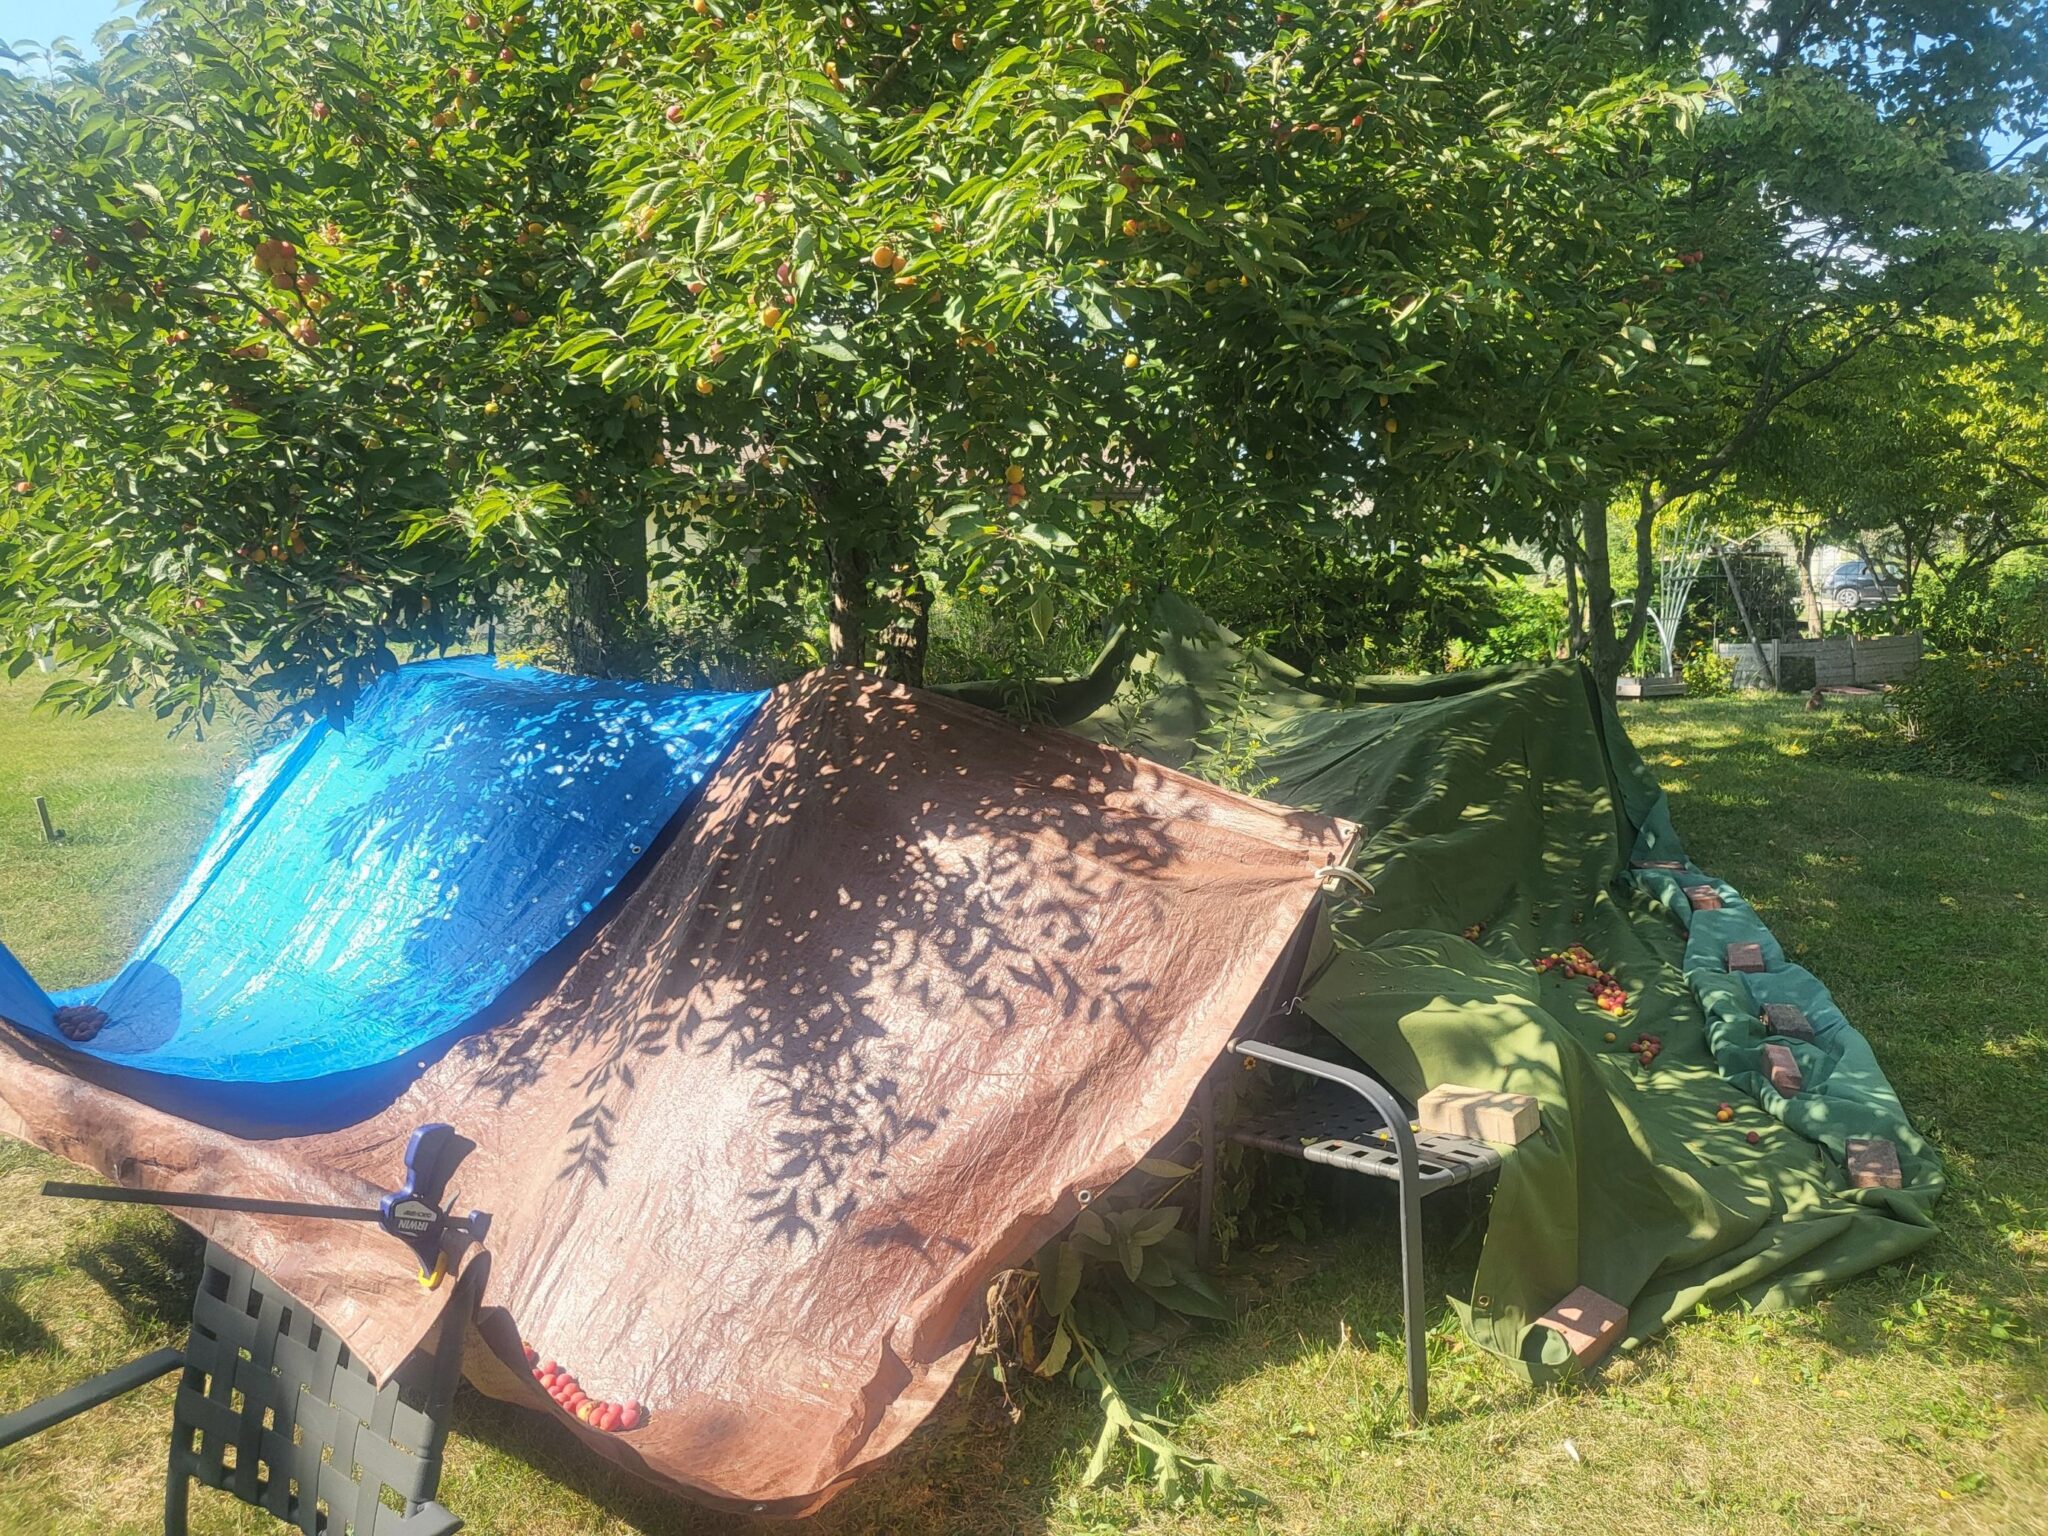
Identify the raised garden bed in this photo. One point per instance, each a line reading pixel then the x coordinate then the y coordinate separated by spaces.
pixel 1662 686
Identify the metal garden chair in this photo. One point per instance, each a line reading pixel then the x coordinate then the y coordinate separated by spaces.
pixel 1351 1121
pixel 273 1408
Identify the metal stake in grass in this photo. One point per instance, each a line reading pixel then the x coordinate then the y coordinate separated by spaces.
pixel 50 833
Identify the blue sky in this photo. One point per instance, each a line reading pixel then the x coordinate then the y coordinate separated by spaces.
pixel 41 20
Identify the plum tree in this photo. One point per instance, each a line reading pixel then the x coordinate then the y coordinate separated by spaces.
pixel 332 330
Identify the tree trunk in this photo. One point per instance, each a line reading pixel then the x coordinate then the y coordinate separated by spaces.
pixel 607 602
pixel 1600 653
pixel 1606 653
pixel 904 642
pixel 847 583
pixel 1809 599
pixel 1574 609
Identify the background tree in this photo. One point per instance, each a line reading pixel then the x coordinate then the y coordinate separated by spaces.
pixel 1839 188
pixel 827 310
pixel 1066 295
pixel 1933 444
pixel 277 380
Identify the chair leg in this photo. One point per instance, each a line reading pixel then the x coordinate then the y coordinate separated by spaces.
pixel 177 1497
pixel 1414 1314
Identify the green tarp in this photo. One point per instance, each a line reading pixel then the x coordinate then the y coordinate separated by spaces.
pixel 1502 812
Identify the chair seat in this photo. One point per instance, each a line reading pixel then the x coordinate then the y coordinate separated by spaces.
pixel 1332 1125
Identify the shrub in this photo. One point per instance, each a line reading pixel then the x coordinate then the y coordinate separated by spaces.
pixel 1975 716
pixel 1708 673
pixel 1647 659
pixel 2006 611
pixel 1521 622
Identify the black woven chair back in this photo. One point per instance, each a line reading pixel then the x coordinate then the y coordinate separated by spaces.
pixel 272 1408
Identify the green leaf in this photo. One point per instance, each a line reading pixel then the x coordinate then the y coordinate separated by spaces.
pixel 1057 1289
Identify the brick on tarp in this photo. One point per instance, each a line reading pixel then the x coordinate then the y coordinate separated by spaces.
pixel 1588 1322
pixel 1873 1163
pixel 1479 1113
pixel 1782 1068
pixel 1746 957
pixel 1656 864
pixel 1704 898
pixel 1789 1020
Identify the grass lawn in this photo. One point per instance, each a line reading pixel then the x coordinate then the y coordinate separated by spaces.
pixel 1914 1399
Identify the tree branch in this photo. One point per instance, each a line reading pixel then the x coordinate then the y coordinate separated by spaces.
pixel 1767 401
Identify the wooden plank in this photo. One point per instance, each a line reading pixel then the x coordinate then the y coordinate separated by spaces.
pixel 1649 687
pixel 1887 658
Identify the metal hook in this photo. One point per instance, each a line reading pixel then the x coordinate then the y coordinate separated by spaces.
pixel 1346 873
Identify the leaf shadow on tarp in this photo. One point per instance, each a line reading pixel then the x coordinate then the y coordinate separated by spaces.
pixel 954 893
pixel 903 984
pixel 520 791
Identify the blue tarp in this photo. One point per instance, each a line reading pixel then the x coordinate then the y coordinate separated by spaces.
pixel 373 885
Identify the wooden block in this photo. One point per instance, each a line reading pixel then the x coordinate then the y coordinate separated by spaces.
pixel 1789 1020
pixel 1704 898
pixel 1588 1322
pixel 1782 1068
pixel 1478 1113
pixel 1873 1164
pixel 1746 957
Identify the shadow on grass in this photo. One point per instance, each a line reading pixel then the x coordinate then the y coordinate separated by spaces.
pixel 20 1332
pixel 149 1270
pixel 968 1468
pixel 974 1466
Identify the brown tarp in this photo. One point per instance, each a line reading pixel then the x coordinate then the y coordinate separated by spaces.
pixel 910 982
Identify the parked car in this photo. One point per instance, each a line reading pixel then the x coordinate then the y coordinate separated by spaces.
pixel 1853 583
